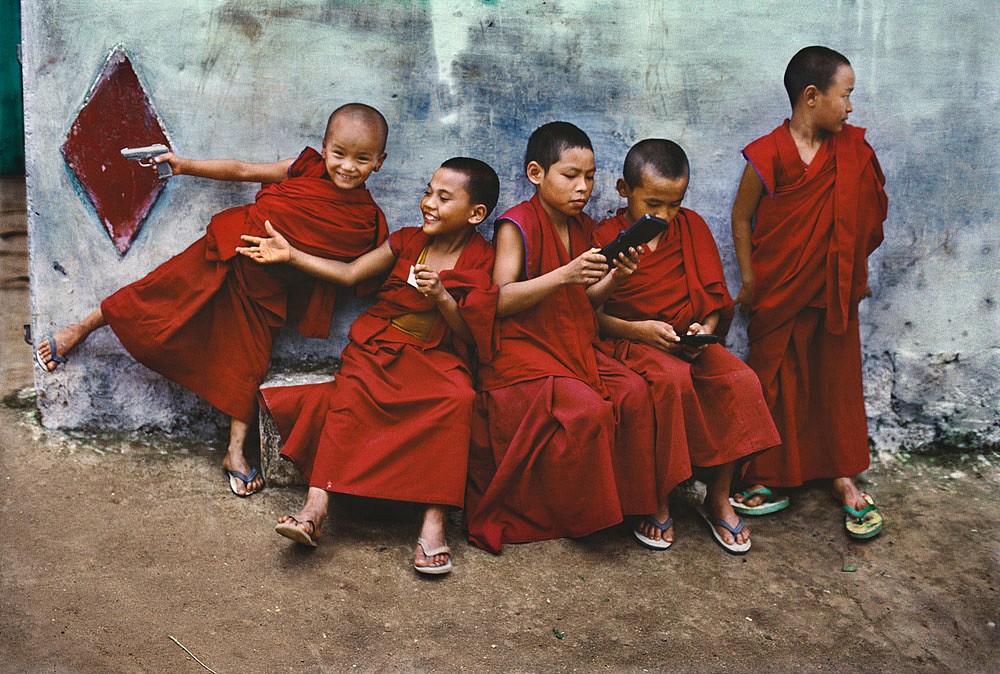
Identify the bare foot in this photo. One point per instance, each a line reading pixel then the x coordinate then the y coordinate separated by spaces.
pixel 65 341
pixel 250 481
pixel 299 528
pixel 719 509
pixel 847 492
pixel 432 539
pixel 304 526
pixel 238 463
pixel 751 501
pixel 653 532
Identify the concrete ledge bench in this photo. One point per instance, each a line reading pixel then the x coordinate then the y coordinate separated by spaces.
pixel 277 471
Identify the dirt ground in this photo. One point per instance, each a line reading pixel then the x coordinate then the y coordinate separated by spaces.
pixel 117 554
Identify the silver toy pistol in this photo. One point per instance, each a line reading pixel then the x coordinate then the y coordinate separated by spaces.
pixel 144 155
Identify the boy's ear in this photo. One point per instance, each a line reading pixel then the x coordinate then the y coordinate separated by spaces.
pixel 623 188
pixel 378 162
pixel 478 214
pixel 535 172
pixel 810 95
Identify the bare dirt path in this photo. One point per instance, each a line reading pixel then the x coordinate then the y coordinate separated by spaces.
pixel 111 546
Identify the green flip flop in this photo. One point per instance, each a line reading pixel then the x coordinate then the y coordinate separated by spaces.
pixel 864 523
pixel 766 508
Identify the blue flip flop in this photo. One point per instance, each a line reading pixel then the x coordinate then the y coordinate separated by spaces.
pixel 653 543
pixel 56 358
pixel 767 507
pixel 247 479
pixel 733 548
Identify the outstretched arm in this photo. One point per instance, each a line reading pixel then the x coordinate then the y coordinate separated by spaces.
pixel 275 249
pixel 744 206
pixel 517 293
pixel 228 169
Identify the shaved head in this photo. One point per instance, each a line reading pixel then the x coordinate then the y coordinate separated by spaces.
pixel 365 114
pixel 663 157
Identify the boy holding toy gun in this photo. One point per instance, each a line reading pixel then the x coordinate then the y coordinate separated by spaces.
pixel 206 318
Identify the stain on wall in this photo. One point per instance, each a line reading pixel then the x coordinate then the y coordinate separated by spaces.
pixel 257 79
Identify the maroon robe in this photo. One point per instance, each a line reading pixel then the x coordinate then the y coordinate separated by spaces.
pixel 206 318
pixel 815 228
pixel 395 422
pixel 562 445
pixel 709 411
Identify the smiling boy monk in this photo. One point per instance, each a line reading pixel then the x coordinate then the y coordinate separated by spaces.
pixel 815 188
pixel 565 447
pixel 709 408
pixel 395 422
pixel 206 318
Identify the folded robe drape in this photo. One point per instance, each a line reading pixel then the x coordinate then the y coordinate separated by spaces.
pixel 206 317
pixel 709 411
pixel 562 439
pixel 395 422
pixel 815 227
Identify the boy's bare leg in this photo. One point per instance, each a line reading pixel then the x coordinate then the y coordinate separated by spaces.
pixel 847 492
pixel 647 529
pixel 312 514
pixel 717 502
pixel 69 338
pixel 432 531
pixel 236 460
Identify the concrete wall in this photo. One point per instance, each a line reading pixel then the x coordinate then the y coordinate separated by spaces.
pixel 256 79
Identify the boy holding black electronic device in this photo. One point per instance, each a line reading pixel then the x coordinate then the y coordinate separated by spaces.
pixel 708 404
pixel 563 444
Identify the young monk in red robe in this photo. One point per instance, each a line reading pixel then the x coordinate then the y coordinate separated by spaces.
pixel 395 423
pixel 815 188
pixel 708 404
pixel 563 443
pixel 206 318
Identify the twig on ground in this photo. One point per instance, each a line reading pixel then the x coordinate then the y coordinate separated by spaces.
pixel 193 655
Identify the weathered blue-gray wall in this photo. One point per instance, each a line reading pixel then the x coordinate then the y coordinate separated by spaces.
pixel 256 80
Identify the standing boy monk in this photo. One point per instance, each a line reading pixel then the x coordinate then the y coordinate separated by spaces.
pixel 708 404
pixel 395 422
pixel 814 187
pixel 206 318
pixel 549 459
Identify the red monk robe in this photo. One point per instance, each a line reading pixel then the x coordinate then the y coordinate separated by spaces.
pixel 395 422
pixel 814 230
pixel 206 318
pixel 709 411
pixel 550 456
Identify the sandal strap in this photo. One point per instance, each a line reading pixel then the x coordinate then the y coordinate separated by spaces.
pixel 662 526
pixel 314 530
pixel 731 529
pixel 248 478
pixel 760 491
pixel 430 552
pixel 859 514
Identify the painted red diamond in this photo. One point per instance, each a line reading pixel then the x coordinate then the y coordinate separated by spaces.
pixel 116 114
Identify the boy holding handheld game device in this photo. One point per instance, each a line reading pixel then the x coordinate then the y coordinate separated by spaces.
pixel 664 322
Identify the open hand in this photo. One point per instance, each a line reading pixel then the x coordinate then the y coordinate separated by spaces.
pixel 272 249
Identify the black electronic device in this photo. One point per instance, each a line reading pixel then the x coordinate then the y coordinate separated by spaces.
pixel 699 340
pixel 638 233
